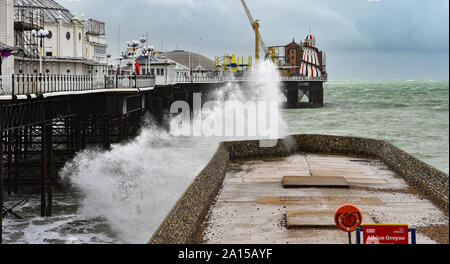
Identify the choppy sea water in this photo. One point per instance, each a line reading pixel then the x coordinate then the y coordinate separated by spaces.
pixel 127 191
pixel 411 115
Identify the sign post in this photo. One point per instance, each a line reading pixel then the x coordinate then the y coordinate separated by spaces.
pixel 386 234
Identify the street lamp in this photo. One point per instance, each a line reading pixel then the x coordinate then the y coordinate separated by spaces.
pixel 133 44
pixel 41 34
pixel 147 51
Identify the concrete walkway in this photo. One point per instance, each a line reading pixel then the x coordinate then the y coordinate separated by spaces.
pixel 252 205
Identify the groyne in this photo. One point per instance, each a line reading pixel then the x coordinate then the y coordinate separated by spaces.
pixel 185 219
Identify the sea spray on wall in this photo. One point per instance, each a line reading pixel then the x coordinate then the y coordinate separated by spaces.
pixel 248 110
pixel 134 185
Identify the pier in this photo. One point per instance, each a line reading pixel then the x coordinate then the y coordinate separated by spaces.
pixel 46 119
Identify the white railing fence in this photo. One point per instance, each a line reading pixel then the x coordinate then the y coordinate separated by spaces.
pixel 25 84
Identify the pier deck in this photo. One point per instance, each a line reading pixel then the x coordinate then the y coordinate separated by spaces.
pixel 252 205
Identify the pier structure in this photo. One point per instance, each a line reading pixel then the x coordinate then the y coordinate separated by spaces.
pixel 46 119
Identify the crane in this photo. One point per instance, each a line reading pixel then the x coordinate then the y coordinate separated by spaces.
pixel 269 52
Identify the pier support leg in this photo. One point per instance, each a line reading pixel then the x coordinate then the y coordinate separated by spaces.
pixel 9 159
pixel 106 131
pixel 122 128
pixel 77 133
pixel 17 137
pixel 1 186
pixel 46 169
pixel 84 129
pixel 292 99
pixel 316 94
pixel 49 173
pixel 43 168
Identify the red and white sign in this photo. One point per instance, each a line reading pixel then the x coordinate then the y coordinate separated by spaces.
pixel 386 234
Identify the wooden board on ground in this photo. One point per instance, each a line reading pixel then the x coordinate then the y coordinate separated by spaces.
pixel 308 200
pixel 339 173
pixel 314 182
pixel 316 219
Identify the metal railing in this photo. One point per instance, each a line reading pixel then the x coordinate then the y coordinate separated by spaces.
pixel 220 79
pixel 198 79
pixel 130 81
pixel 27 84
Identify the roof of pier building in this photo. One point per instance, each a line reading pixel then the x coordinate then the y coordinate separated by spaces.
pixel 182 57
pixel 155 60
pixel 51 9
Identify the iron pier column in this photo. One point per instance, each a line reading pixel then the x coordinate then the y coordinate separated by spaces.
pixel 49 172
pixel 1 186
pixel 43 168
pixel 292 99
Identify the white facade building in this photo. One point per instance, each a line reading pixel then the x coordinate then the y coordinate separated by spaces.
pixel 7 33
pixel 74 45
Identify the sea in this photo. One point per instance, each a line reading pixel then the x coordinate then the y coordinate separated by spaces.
pixel 120 196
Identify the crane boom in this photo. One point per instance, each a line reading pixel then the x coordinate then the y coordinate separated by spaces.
pixel 252 23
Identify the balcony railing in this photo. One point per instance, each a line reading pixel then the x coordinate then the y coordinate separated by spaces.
pixel 221 79
pixel 52 83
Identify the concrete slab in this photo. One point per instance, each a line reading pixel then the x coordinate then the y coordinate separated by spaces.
pixel 314 182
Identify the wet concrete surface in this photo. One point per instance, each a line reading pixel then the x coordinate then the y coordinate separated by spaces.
pixel 252 204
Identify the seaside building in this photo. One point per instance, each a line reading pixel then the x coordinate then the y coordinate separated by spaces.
pixel 200 65
pixel 6 34
pixel 305 59
pixel 167 67
pixel 72 45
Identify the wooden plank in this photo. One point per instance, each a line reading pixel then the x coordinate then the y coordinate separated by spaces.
pixel 340 173
pixel 314 182
pixel 316 219
pixel 310 219
pixel 312 200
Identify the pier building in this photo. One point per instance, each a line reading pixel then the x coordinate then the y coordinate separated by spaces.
pixel 72 44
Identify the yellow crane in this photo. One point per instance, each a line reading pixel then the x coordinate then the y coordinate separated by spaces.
pixel 269 52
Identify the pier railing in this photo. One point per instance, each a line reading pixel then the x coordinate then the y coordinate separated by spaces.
pixel 27 84
pixel 221 79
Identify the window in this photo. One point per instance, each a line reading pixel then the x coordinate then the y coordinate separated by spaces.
pixel 152 71
pixel 68 35
pixel 162 71
pixel 79 36
pixel 158 72
pixel 100 50
pixel 50 34
pixel 49 54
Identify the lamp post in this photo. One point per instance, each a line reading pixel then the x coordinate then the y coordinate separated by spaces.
pixel 41 34
pixel 148 52
pixel 133 44
pixel 119 61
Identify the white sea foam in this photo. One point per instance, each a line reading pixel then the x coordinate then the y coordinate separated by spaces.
pixel 134 185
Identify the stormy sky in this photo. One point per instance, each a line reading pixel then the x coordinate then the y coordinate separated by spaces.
pixel 363 39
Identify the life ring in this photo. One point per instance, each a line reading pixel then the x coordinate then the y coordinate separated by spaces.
pixel 348 218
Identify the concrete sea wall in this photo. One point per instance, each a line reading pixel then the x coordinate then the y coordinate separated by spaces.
pixel 186 217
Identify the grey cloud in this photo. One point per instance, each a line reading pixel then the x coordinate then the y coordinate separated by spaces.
pixel 340 26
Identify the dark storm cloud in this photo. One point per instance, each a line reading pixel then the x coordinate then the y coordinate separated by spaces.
pixel 216 27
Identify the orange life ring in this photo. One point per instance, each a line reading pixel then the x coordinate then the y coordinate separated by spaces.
pixel 348 218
